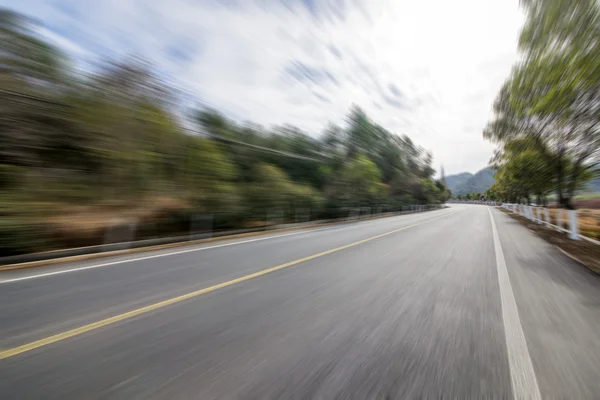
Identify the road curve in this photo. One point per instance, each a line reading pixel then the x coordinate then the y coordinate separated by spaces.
pixel 456 303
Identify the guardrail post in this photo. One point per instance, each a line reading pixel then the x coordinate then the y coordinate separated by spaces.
pixel 538 215
pixel 201 222
pixel 574 228
pixel 547 216
pixel 121 233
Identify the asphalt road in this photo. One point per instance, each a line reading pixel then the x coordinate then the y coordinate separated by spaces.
pixel 455 303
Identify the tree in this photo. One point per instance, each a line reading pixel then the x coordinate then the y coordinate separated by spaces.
pixel 443 193
pixel 119 142
pixel 526 165
pixel 553 96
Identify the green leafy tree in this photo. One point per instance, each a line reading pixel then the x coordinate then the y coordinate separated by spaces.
pixel 553 97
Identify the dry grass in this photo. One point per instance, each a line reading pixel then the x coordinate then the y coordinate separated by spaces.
pixel 86 225
pixel 589 220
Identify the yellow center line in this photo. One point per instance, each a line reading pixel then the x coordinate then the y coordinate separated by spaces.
pixel 134 313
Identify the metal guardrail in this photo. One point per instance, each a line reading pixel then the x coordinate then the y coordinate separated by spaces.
pixel 485 203
pixel 357 214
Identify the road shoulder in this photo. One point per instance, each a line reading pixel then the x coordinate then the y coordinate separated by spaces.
pixel 559 309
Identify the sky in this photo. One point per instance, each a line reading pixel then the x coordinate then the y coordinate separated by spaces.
pixel 429 69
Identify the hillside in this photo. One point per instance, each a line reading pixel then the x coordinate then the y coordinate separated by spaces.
pixel 455 181
pixel 594 186
pixel 466 182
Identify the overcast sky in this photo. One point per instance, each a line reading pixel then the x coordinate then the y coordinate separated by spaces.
pixel 429 68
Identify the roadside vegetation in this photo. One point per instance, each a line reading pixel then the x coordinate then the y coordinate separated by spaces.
pixel 83 152
pixel 547 114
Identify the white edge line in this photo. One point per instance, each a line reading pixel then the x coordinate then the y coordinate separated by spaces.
pixel 65 271
pixel 522 374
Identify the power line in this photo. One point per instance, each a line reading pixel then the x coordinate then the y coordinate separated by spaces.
pixel 260 148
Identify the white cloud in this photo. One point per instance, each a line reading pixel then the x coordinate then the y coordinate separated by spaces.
pixel 430 69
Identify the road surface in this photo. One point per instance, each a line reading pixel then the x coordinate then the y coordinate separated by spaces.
pixel 455 303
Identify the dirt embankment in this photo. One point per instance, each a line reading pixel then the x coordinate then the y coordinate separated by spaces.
pixel 90 225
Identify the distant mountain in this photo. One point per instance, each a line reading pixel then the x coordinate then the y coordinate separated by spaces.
pixel 455 181
pixel 594 185
pixel 467 183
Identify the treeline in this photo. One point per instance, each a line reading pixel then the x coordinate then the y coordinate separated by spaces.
pixel 548 112
pixel 474 196
pixel 119 136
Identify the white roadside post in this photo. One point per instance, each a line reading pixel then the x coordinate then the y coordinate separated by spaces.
pixel 530 212
pixel 547 216
pixel 531 215
pixel 574 229
pixel 538 215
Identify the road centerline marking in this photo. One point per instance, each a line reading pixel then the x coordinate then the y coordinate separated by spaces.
pixel 143 310
pixel 522 374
